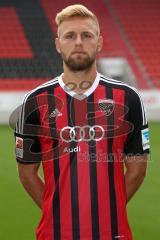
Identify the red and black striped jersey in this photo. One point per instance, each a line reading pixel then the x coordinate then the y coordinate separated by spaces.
pixel 81 141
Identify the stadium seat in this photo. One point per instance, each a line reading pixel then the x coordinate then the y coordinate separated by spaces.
pixel 130 30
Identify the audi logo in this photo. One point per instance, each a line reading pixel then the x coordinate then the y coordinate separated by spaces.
pixel 82 133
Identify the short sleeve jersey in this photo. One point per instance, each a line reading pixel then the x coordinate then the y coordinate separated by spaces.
pixel 81 141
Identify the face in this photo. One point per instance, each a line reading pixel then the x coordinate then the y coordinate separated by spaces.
pixel 78 43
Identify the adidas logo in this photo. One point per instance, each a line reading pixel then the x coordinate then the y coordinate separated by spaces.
pixel 55 113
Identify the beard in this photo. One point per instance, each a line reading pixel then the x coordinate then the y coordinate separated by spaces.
pixel 79 63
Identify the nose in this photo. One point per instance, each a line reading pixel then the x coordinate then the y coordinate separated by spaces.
pixel 78 40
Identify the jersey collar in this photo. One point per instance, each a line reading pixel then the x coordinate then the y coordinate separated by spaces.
pixel 88 92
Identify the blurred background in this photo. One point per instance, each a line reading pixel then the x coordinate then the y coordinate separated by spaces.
pixel 131 53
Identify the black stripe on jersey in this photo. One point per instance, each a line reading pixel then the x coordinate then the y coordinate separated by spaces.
pixel 113 207
pixel 73 173
pixel 56 199
pixel 33 119
pixel 93 172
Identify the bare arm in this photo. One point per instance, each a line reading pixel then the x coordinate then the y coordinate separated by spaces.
pixel 32 182
pixel 135 172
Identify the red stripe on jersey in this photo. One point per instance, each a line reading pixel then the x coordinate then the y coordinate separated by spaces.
pixel 102 169
pixel 45 227
pixel 83 173
pixel 117 149
pixel 64 165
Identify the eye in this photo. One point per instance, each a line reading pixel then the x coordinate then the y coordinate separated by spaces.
pixel 69 36
pixel 87 35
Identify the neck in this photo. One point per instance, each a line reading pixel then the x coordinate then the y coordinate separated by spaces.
pixel 77 77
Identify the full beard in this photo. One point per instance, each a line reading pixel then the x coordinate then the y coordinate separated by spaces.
pixel 79 64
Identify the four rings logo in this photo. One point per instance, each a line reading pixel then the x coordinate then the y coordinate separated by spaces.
pixel 82 133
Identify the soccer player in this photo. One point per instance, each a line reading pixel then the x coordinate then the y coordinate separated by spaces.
pixel 91 135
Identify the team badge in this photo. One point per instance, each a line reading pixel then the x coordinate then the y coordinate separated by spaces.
pixel 19 147
pixel 106 105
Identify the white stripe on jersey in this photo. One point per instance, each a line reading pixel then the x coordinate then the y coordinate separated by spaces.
pixel 21 114
pixel 110 80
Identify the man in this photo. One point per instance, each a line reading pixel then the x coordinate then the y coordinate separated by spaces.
pixel 84 128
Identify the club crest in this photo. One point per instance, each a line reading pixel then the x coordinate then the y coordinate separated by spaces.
pixel 106 105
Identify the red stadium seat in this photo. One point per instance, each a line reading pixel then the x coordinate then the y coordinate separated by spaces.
pixel 140 21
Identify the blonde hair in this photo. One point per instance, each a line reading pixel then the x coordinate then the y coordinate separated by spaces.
pixel 73 11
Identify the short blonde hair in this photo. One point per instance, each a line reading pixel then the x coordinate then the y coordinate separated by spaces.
pixel 73 11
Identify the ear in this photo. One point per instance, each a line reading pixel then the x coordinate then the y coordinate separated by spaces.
pixel 100 44
pixel 57 45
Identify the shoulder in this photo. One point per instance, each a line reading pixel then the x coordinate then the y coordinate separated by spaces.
pixel 40 89
pixel 131 92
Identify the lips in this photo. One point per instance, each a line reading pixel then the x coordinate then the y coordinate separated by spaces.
pixel 78 52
